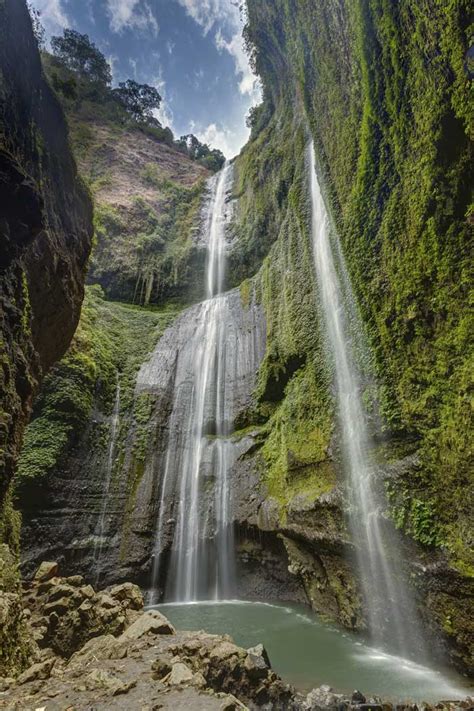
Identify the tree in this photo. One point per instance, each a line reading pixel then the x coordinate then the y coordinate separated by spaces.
pixel 79 54
pixel 38 29
pixel 213 159
pixel 139 100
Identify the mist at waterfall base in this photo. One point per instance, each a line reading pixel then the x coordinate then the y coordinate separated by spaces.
pixel 307 652
pixel 390 610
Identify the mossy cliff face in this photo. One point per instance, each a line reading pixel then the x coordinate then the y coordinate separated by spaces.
pixel 383 89
pixel 46 230
pixel 86 446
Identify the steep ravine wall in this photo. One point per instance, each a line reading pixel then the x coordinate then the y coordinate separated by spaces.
pixel 354 74
pixel 45 239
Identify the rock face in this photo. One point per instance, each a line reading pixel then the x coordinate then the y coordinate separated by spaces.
pixel 45 239
pixel 131 514
pixel 46 230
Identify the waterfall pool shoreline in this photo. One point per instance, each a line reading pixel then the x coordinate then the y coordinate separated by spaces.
pixel 306 652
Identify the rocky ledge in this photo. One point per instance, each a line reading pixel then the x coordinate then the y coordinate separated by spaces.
pixel 100 649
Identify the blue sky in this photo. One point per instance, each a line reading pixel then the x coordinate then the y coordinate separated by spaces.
pixel 191 50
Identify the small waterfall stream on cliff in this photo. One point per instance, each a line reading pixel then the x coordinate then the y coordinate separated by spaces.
pixel 391 614
pixel 199 452
pixel 100 529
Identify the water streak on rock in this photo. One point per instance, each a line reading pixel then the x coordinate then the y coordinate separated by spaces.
pixel 100 530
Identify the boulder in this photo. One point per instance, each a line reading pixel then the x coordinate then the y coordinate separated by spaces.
pixel 128 594
pixel 100 679
pixel 46 571
pixel 180 674
pixel 225 649
pixel 151 621
pixel 324 697
pixel 160 668
pixel 104 647
pixel 41 670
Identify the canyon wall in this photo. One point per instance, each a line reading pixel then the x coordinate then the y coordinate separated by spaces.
pixel 46 233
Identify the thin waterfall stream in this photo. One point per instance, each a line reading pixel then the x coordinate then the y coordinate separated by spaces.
pixel 390 610
pixel 101 526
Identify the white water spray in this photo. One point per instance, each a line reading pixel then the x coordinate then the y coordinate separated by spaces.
pixel 390 610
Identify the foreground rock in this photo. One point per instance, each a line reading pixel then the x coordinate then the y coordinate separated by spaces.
pixel 101 650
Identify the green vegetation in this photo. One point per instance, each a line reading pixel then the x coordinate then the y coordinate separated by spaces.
pixel 292 388
pixel 211 158
pixel 144 215
pixel 79 54
pixel 111 339
pixel 386 90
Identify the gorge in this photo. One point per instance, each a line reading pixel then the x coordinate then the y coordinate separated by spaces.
pixel 262 418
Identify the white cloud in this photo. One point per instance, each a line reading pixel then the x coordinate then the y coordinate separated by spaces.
pixel 112 59
pixel 208 12
pixel 217 137
pixel 225 16
pixel 164 114
pixel 131 14
pixel 53 16
pixel 235 47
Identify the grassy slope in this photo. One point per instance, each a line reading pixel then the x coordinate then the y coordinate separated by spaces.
pixel 147 195
pixel 386 92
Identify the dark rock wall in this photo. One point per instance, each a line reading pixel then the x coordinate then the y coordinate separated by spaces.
pixel 45 239
pixel 46 231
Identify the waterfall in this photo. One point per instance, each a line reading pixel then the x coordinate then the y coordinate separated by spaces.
pixel 390 610
pixel 100 529
pixel 200 451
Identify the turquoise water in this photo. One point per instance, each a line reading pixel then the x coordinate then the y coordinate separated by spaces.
pixel 306 652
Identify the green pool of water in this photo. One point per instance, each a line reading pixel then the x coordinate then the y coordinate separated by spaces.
pixel 306 652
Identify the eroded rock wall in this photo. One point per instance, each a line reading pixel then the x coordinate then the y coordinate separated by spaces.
pixel 395 149
pixel 46 228
pixel 46 231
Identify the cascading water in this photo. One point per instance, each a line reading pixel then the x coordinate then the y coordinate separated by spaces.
pixel 390 610
pixel 100 529
pixel 199 451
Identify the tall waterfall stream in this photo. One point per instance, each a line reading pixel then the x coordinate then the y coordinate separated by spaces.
pixel 390 610
pixel 215 355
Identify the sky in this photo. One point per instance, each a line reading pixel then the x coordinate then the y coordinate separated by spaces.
pixel 191 50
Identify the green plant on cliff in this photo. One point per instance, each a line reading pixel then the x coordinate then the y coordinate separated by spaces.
pixel 292 387
pixel 387 95
pixel 110 339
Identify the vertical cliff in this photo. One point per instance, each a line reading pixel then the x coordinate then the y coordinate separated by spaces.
pixel 46 231
pixel 384 90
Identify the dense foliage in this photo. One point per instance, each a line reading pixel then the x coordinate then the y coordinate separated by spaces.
pixel 79 54
pixel 140 100
pixel 212 158
pixel 386 91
